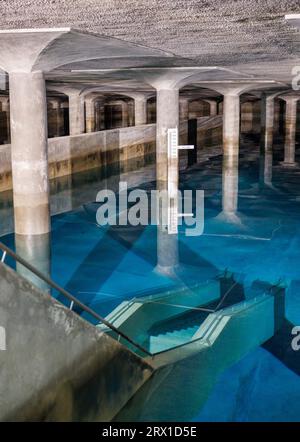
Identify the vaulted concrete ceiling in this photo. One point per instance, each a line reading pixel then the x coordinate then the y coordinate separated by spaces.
pixel 250 37
pixel 210 31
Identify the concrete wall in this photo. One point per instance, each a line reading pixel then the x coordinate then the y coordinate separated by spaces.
pixel 77 153
pixel 57 366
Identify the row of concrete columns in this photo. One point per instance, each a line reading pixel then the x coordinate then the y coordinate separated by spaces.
pixel 29 144
pixel 29 160
pixel 83 113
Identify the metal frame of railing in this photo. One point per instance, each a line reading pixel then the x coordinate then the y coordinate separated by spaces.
pixel 7 251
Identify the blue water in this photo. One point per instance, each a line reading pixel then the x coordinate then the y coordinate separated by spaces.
pixel 103 266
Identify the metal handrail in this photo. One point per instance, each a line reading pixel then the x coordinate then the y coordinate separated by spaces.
pixel 72 298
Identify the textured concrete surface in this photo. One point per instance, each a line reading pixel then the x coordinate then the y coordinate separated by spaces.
pixel 199 29
pixel 78 153
pixel 29 153
pixel 208 32
pixel 62 368
pixel 45 49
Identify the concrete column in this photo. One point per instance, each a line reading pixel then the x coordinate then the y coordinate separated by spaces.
pixel 290 131
pixel 266 147
pixel 166 178
pixel 76 114
pixel 220 107
pixel 183 109
pixel 167 118
pixel 213 107
pixel 231 136
pixel 99 118
pixel 140 111
pixel 55 102
pixel 90 115
pixel 28 109
pixel 281 122
pixel 276 116
pixel 125 114
pixel 267 123
pixel 131 112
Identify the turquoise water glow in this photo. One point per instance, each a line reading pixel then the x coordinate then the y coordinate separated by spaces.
pixel 103 266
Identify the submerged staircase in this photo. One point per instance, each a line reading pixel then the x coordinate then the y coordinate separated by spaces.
pixel 171 339
pixel 217 316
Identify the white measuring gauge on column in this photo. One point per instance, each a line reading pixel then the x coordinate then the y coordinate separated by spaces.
pixel 173 148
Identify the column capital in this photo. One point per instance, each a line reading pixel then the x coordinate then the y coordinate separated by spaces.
pixel 231 92
pixel 26 50
pixel 139 96
pixel 270 95
pixel 55 101
pixel 289 98
pixel 93 98
pixel 65 88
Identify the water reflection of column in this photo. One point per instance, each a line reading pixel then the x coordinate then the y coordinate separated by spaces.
pixel 265 169
pixel 230 181
pixel 267 122
pixel 166 178
pixel 290 130
pixel 231 135
pixel 36 250
pixel 167 251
